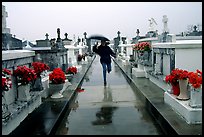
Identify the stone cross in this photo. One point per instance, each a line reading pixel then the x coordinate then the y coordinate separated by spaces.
pixel 58 33
pixel 46 35
pixel 66 35
pixel 138 31
pixel 195 28
pixel 165 20
pixel 118 33
pixel 85 35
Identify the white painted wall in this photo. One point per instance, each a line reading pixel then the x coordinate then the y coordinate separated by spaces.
pixel 188 59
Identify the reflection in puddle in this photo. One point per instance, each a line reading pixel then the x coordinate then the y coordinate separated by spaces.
pixel 104 115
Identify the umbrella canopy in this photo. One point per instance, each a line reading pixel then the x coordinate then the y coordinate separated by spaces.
pixel 98 37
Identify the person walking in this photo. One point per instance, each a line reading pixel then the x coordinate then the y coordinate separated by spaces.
pixel 105 53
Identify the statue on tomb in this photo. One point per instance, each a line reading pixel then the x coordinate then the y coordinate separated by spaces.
pixel 165 20
pixel 152 24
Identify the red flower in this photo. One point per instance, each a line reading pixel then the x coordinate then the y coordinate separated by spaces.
pixel 195 78
pixel 71 70
pixel 57 76
pixel 172 77
pixel 39 67
pixel 182 74
pixel 24 75
pixel 6 79
pixel 6 71
pixel 176 74
pixel 142 46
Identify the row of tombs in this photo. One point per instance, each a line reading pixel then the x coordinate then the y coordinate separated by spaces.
pixel 23 91
pixel 174 66
pixel 149 59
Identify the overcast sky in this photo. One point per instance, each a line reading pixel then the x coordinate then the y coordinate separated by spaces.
pixel 32 20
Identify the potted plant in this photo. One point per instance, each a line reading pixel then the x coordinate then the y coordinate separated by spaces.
pixel 56 82
pixel 195 79
pixel 142 46
pixel 6 80
pixel 25 76
pixel 39 67
pixel 183 83
pixel 143 50
pixel 172 79
pixel 195 82
pixel 181 77
pixel 70 71
pixel 6 85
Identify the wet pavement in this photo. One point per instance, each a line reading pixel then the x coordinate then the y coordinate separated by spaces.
pixel 113 109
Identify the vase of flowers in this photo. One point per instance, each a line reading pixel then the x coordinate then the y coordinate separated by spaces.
pixel 195 81
pixel 38 67
pixel 142 46
pixel 57 80
pixel 183 83
pixel 172 79
pixel 70 71
pixel 6 86
pixel 143 50
pixel 25 76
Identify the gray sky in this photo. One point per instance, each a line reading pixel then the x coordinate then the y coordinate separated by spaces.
pixel 32 20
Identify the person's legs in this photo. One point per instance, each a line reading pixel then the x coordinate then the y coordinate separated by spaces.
pixel 104 72
pixel 109 67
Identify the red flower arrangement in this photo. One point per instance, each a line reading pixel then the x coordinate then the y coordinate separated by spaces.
pixel 39 67
pixel 172 78
pixel 24 75
pixel 57 76
pixel 71 70
pixel 182 74
pixel 142 46
pixel 6 80
pixel 195 78
pixel 175 75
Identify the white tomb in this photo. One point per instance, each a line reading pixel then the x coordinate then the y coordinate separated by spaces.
pixel 182 54
pixel 126 51
pixel 71 57
pixel 141 70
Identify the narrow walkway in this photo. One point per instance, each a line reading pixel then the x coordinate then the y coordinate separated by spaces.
pixel 114 109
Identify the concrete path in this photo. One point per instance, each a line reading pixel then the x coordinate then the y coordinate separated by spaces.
pixel 114 109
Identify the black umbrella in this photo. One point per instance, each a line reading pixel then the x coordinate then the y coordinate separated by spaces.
pixel 98 37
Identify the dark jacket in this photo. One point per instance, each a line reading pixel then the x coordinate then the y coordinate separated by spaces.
pixel 105 52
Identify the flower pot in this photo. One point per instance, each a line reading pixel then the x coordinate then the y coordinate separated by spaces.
pixel 183 90
pixel 69 77
pixel 175 89
pixel 195 97
pixel 55 90
pixel 24 92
